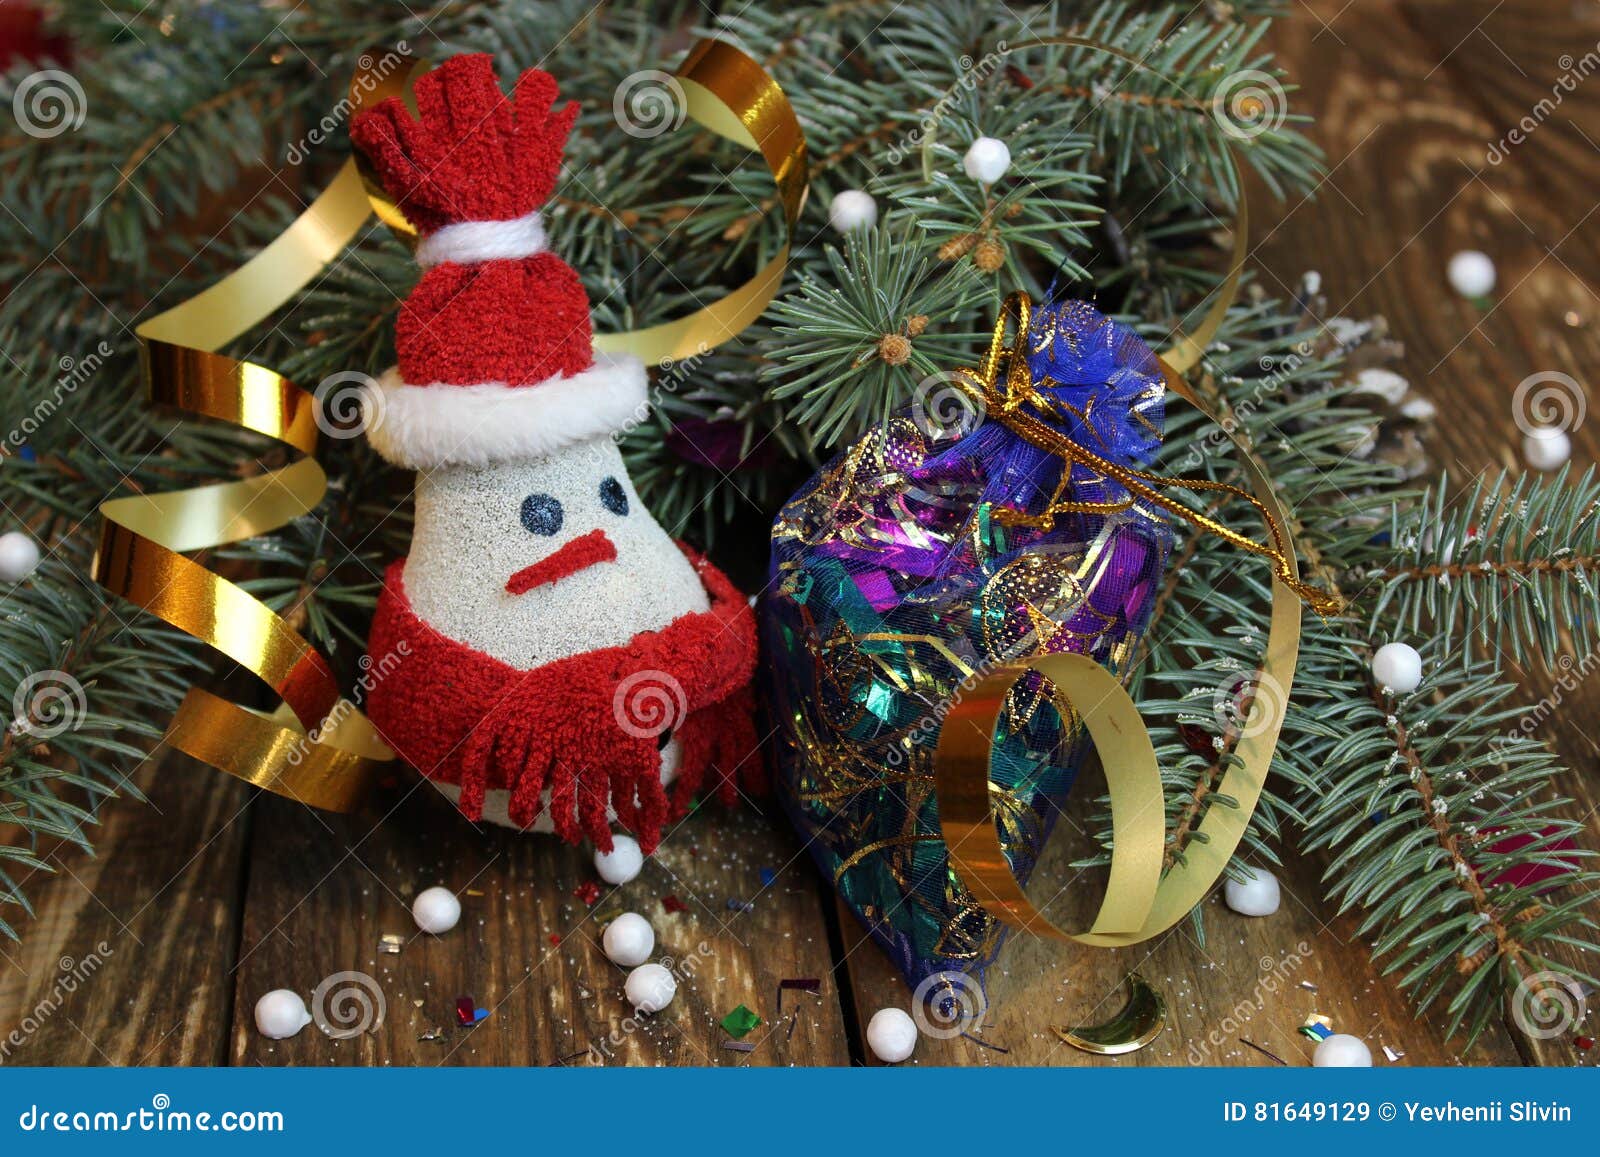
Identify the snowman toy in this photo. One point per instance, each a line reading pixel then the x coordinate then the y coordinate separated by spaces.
pixel 546 654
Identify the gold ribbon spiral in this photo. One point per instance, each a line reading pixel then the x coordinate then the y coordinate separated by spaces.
pixel 1140 902
pixel 144 537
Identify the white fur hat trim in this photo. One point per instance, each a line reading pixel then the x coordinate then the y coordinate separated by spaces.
pixel 424 427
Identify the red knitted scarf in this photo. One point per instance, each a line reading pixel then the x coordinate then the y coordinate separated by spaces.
pixel 589 728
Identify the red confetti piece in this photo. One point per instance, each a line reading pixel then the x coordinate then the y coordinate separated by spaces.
pixel 555 938
pixel 588 892
pixel 1523 875
pixel 1197 739
pixel 1585 1043
pixel 672 904
pixel 466 1011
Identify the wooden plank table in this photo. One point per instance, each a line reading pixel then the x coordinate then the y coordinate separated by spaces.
pixel 155 950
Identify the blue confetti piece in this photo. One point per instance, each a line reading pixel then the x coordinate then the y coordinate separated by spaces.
pixel 767 877
pixel 479 1014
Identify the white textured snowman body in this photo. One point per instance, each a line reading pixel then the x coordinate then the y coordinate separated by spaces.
pixel 477 527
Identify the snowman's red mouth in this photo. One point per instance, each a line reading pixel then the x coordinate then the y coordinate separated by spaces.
pixel 582 552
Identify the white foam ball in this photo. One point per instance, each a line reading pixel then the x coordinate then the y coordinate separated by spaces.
pixel 987 160
pixel 1342 1051
pixel 281 1013
pixel 1398 667
pixel 19 556
pixel 1257 896
pixel 1546 448
pixel 650 988
pixel 891 1035
pixel 629 940
pixel 622 863
pixel 436 910
pixel 852 209
pixel 1471 273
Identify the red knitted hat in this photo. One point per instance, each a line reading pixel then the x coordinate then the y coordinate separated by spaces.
pixel 496 357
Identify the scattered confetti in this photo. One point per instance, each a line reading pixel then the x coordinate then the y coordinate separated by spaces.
pixel 474 892
pixel 1391 1055
pixel 391 942
pixel 479 1014
pixel 433 1034
pixel 737 905
pixel 809 984
pixel 739 1046
pixel 672 904
pixel 1585 1043
pixel 1317 1027
pixel 466 1011
pixel 739 1022
pixel 768 876
pixel 588 892
pixel 984 1043
pixel 555 939
pixel 1244 1040
pixel 1308 986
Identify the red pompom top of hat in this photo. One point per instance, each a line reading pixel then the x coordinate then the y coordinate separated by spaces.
pixel 474 154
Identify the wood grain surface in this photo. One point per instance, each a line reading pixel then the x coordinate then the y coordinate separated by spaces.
pixel 201 901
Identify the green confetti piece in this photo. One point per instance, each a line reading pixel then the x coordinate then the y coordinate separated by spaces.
pixel 739 1022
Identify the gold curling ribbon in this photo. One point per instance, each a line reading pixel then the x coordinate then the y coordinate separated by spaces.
pixel 143 537
pixel 1140 902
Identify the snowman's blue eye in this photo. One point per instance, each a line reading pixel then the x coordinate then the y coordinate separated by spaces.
pixel 541 514
pixel 614 497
